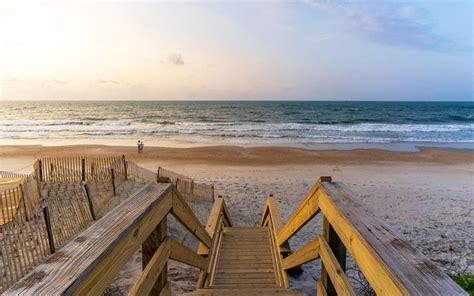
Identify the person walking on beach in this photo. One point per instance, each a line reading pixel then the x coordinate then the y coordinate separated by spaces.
pixel 139 146
pixel 142 146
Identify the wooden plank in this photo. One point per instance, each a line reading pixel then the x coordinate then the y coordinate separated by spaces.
pixel 90 262
pixel 183 254
pixel 211 223
pixel 244 270
pixel 149 248
pixel 251 281
pixel 307 209
pixel 240 286
pixel 247 275
pixel 166 291
pixel 305 254
pixel 152 271
pixel 390 264
pixel 320 290
pixel 245 256
pixel 334 270
pixel 185 215
pixel 269 291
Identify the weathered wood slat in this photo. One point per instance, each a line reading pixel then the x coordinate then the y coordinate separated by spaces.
pixel 307 209
pixel 303 255
pixel 212 223
pixel 90 262
pixel 183 254
pixel 152 271
pixel 390 264
pixel 185 215
pixel 334 270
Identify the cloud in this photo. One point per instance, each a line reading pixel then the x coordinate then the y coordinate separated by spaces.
pixel 392 24
pixel 5 13
pixel 11 79
pixel 103 81
pixel 53 80
pixel 175 59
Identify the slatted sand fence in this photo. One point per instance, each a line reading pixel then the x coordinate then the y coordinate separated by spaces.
pixel 185 185
pixel 24 236
pixel 79 168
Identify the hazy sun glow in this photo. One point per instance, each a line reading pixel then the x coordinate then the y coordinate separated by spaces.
pixel 303 50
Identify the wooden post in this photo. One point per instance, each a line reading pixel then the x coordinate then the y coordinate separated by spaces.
pixel 83 169
pixel 40 170
pixel 158 175
pixel 89 199
pixel 339 250
pixel 149 247
pixel 113 180
pixel 125 167
pixel 49 230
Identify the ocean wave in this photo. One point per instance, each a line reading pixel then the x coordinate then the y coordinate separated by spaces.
pixel 47 122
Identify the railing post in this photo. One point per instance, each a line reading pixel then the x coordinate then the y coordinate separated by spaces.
pixel 339 251
pixel 83 169
pixel 125 168
pixel 113 180
pixel 149 247
pixel 49 230
pixel 89 200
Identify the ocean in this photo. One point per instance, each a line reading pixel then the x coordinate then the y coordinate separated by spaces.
pixel 305 124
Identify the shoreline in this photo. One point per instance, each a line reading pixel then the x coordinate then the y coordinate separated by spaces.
pixel 245 156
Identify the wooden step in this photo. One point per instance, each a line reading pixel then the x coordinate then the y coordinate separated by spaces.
pixel 244 259
pixel 239 292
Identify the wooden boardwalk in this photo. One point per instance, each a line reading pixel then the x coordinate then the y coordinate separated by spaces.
pixel 237 260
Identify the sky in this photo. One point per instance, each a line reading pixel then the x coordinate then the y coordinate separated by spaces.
pixel 304 50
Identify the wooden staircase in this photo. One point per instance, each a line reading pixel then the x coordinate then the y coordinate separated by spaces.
pixel 245 265
pixel 237 260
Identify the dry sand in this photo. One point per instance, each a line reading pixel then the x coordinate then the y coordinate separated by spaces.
pixel 427 196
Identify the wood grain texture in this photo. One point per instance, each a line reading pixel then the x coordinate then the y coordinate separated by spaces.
pixel 212 223
pixel 152 271
pixel 183 254
pixel 334 270
pixel 307 209
pixel 185 215
pixel 89 263
pixel 307 253
pixel 389 263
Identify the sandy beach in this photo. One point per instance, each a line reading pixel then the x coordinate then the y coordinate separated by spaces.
pixel 426 196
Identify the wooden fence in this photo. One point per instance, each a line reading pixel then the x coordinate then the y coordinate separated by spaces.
pixel 81 168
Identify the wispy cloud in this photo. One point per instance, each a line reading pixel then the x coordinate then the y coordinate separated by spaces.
pixel 53 81
pixel 5 13
pixel 392 24
pixel 11 79
pixel 175 59
pixel 104 81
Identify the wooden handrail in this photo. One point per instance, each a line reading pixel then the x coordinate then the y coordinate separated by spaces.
pixel 307 209
pixel 303 255
pixel 218 218
pixel 390 264
pixel 272 219
pixel 186 216
pixel 89 263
